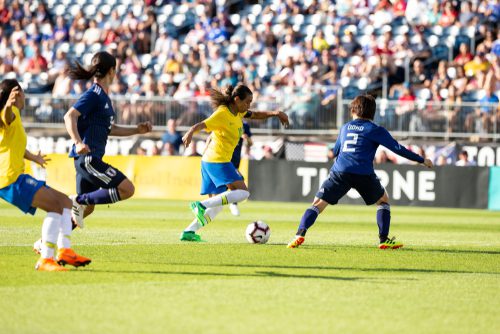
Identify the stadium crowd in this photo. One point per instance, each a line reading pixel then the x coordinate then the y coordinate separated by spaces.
pixel 428 50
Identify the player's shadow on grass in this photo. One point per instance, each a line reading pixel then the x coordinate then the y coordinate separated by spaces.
pixel 254 274
pixel 401 270
pixel 404 249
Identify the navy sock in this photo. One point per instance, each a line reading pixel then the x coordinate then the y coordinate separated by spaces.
pixel 307 220
pixel 383 221
pixel 101 196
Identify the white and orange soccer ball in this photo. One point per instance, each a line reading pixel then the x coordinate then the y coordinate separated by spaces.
pixel 258 232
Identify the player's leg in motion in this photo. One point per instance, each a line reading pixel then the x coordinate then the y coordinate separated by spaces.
pixel 56 230
pixel 308 219
pixel 384 224
pixel 330 192
pixel 112 186
pixel 189 233
pixel 224 185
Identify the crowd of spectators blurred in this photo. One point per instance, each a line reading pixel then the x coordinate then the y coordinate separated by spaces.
pixel 180 48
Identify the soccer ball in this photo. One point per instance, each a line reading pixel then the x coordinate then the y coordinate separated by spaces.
pixel 258 232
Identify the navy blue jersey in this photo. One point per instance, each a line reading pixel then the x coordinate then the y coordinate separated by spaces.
pixel 96 118
pixel 237 150
pixel 357 143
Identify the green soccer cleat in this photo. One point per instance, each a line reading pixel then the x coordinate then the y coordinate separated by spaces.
pixel 390 244
pixel 199 211
pixel 190 236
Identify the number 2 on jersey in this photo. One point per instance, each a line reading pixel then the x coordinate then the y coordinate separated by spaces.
pixel 352 142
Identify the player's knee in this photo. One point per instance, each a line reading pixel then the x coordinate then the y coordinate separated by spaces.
pixel 384 206
pixel 126 190
pixel 245 194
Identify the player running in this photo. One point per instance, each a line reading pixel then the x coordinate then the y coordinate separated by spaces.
pixel 28 193
pixel 355 149
pixel 89 123
pixel 236 158
pixel 220 179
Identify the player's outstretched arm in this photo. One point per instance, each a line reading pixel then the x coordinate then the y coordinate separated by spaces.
pixel 123 131
pixel 186 139
pixel 39 158
pixel 267 114
pixel 428 163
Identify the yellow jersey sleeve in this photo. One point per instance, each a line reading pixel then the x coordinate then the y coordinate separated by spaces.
pixel 12 147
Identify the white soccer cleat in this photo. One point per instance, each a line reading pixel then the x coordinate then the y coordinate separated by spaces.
pixel 37 246
pixel 234 209
pixel 77 211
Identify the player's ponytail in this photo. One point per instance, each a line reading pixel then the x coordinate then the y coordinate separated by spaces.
pixel 101 64
pixel 6 87
pixel 226 96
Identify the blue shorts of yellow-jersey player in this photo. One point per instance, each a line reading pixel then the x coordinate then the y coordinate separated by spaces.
pixel 92 173
pixel 216 175
pixel 338 184
pixel 21 192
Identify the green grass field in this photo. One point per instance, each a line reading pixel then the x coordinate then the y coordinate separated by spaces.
pixel 143 280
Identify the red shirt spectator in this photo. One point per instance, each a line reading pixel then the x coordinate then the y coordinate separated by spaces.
pixel 449 16
pixel 37 63
pixel 399 8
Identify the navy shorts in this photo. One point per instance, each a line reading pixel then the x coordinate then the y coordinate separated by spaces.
pixel 92 173
pixel 22 191
pixel 338 184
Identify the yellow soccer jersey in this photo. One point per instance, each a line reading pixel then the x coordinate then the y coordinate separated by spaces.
pixel 12 147
pixel 226 131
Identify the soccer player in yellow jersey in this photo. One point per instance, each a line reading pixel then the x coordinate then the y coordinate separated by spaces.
pixel 220 179
pixel 28 193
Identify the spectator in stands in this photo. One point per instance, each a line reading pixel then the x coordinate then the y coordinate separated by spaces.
pixel 267 153
pixel 61 31
pixel 420 47
pixel 441 160
pixel 448 15
pixel 37 63
pixel 350 46
pixel 92 33
pixel 464 56
pixel 463 160
pixel 466 14
pixel 477 66
pixel 381 157
pixel 440 80
pixel 172 139
pixel 405 106
pixel 483 117
pixel 319 42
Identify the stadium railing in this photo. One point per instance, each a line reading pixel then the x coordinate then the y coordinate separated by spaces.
pixel 312 113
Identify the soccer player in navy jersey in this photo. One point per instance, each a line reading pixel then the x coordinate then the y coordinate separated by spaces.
pixel 353 168
pixel 89 123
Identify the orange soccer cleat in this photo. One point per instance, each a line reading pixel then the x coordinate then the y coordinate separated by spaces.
pixel 296 242
pixel 48 265
pixel 68 256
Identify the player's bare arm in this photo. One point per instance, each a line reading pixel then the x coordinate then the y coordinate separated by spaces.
pixel 39 158
pixel 123 131
pixel 186 139
pixel 267 114
pixel 71 121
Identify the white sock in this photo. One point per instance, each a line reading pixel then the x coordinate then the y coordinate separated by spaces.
pixel 65 229
pixel 50 229
pixel 230 196
pixel 209 214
